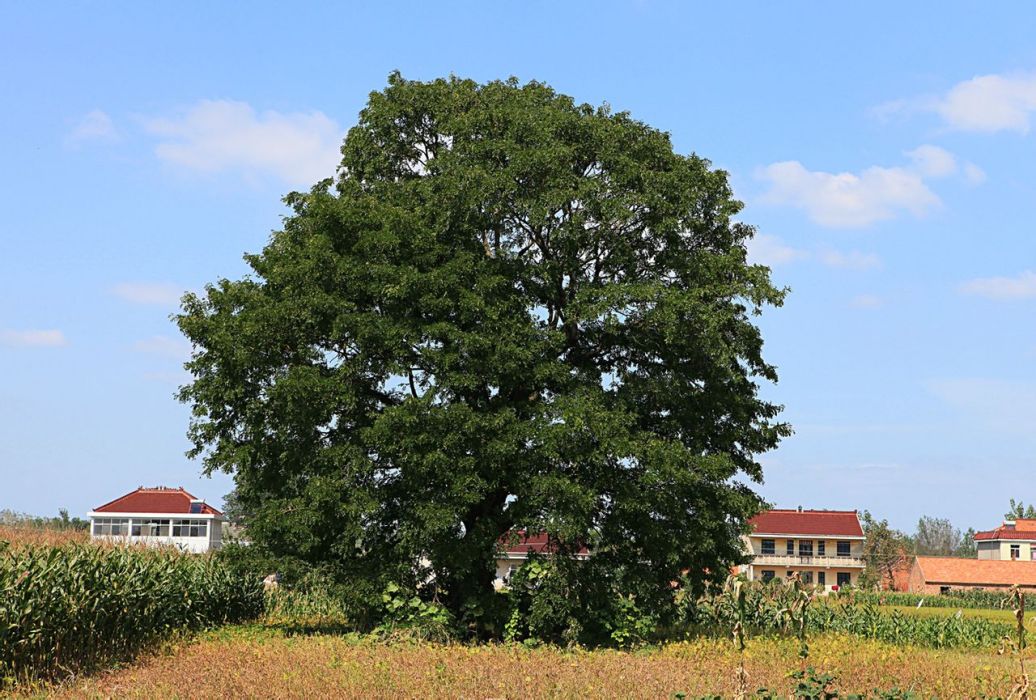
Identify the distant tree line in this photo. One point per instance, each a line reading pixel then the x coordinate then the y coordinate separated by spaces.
pixel 60 522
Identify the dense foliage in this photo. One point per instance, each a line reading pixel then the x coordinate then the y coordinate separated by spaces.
pixel 508 310
pixel 64 609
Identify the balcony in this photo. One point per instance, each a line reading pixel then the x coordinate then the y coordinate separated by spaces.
pixel 796 560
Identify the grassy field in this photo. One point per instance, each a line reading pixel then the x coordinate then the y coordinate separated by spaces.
pixel 256 661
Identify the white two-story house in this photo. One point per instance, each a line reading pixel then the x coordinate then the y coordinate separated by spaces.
pixel 159 516
pixel 825 547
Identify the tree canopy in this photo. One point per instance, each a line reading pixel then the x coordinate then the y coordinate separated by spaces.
pixel 507 311
pixel 1018 510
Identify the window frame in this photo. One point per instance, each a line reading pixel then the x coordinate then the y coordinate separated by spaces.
pixel 848 547
pixel 771 549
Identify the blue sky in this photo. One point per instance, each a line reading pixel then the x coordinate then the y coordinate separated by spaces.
pixel 886 155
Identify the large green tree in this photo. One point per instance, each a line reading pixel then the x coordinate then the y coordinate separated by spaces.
pixel 507 310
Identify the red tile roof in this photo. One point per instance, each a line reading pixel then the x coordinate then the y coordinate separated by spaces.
pixel 155 500
pixel 525 544
pixel 836 523
pixel 1018 530
pixel 976 572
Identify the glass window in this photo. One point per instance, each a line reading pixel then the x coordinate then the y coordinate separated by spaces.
pixel 805 548
pixel 844 578
pixel 120 527
pixel 769 547
pixel 136 527
pixel 99 526
pixel 791 547
pixel 822 578
pixel 1016 550
pixel 821 546
pixel 768 575
pixel 181 528
pixel 806 576
pixel 843 548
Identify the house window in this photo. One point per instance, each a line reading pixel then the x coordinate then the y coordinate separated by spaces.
pixel 1016 551
pixel 805 548
pixel 189 528
pixel 154 528
pixel 844 578
pixel 99 524
pixel 768 576
pixel 791 548
pixel 135 528
pixel 822 578
pixel 843 548
pixel 820 548
pixel 806 576
pixel 943 590
pixel 119 527
pixel 769 547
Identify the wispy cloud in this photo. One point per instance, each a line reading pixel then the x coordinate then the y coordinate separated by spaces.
pixel 772 251
pixel 848 200
pixel 174 348
pixel 857 200
pixel 160 293
pixel 1021 286
pixel 865 301
pixel 765 249
pixel 229 136
pixel 32 338
pixel 849 260
pixel 93 126
pixel 985 103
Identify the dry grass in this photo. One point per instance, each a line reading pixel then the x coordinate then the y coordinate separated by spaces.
pixel 27 535
pixel 252 663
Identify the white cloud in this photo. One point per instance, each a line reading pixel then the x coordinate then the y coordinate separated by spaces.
pixel 175 348
pixel 1021 286
pixel 848 200
pixel 865 301
pixel 987 103
pixel 974 174
pixel 852 260
pixel 33 338
pixel 771 251
pixel 149 293
pixel 94 126
pixel 932 161
pixel 225 135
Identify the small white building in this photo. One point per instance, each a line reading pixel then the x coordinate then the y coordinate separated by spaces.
pixel 159 516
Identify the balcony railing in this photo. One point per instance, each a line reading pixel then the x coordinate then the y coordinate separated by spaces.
pixel 797 560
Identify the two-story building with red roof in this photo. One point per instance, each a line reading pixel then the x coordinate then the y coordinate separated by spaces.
pixel 825 547
pixel 1015 539
pixel 159 516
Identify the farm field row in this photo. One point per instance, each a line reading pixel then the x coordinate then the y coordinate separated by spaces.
pixel 253 661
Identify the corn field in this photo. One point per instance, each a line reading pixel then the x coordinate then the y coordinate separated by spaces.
pixel 76 607
pixel 790 608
